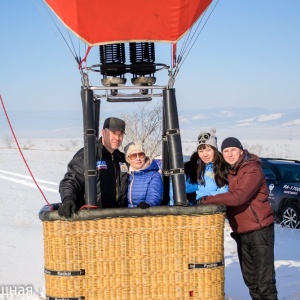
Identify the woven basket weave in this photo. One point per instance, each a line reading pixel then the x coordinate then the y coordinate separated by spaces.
pixel 159 253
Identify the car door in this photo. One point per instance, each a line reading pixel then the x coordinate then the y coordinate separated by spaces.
pixel 275 190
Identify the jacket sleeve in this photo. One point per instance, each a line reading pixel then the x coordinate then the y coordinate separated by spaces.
pixel 221 190
pixel 202 191
pixel 190 187
pixel 155 190
pixel 246 186
pixel 171 202
pixel 73 184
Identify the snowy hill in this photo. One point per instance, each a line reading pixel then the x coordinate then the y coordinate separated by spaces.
pixel 245 123
pixel 21 232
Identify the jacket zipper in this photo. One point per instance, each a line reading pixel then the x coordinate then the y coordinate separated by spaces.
pixel 254 214
pixel 130 191
pixel 116 179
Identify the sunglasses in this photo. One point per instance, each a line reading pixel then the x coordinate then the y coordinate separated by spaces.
pixel 135 155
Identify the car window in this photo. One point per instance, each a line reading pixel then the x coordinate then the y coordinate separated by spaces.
pixel 269 174
pixel 289 172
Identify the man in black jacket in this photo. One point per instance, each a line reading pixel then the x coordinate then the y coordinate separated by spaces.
pixel 111 173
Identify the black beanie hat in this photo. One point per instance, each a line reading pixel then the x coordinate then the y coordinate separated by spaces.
pixel 231 142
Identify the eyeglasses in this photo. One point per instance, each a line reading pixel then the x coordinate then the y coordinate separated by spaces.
pixel 135 155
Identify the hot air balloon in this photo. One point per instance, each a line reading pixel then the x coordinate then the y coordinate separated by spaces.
pixel 97 22
pixel 124 253
pixel 141 25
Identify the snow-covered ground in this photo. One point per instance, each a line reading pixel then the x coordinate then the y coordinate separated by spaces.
pixel 21 235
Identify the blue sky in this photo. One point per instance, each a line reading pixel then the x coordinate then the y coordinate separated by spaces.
pixel 246 56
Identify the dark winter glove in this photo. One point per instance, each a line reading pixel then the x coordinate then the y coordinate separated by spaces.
pixel 67 208
pixel 143 205
pixel 200 201
pixel 235 236
pixel 191 196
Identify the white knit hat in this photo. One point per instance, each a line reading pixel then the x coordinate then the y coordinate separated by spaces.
pixel 132 147
pixel 208 138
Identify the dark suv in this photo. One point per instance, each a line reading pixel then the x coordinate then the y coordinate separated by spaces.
pixel 283 180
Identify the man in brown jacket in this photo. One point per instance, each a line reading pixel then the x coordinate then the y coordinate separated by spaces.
pixel 251 218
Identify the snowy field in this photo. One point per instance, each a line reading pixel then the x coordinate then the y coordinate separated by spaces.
pixel 21 236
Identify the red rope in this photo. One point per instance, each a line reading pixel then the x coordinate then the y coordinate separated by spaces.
pixel 174 61
pixel 88 206
pixel 85 57
pixel 15 138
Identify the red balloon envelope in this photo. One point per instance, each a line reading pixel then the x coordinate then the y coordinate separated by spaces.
pixel 104 22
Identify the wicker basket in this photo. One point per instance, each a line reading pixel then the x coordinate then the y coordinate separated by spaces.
pixel 129 254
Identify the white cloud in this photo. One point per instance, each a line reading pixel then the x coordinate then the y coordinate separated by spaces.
pixel 292 122
pixel 271 117
pixel 247 120
pixel 262 118
pixel 183 119
pixel 188 118
pixel 246 124
pixel 198 117
pixel 228 113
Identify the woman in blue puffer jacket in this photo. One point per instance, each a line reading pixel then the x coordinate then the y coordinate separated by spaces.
pixel 205 171
pixel 145 187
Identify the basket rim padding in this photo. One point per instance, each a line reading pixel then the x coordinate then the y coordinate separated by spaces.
pixel 46 214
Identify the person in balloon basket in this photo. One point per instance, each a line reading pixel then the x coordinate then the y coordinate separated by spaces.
pixel 205 171
pixel 111 169
pixel 145 187
pixel 251 218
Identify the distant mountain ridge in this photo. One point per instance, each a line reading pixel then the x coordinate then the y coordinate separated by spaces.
pixel 251 122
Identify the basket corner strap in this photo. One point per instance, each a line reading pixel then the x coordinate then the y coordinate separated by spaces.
pixel 64 298
pixel 64 273
pixel 207 265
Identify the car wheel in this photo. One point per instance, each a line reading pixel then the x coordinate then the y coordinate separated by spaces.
pixel 291 216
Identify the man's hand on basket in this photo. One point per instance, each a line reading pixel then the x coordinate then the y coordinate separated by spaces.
pixel 200 201
pixel 143 205
pixel 67 208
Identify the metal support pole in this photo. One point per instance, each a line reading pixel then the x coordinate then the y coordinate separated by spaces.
pixel 87 97
pixel 97 117
pixel 174 147
pixel 165 162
